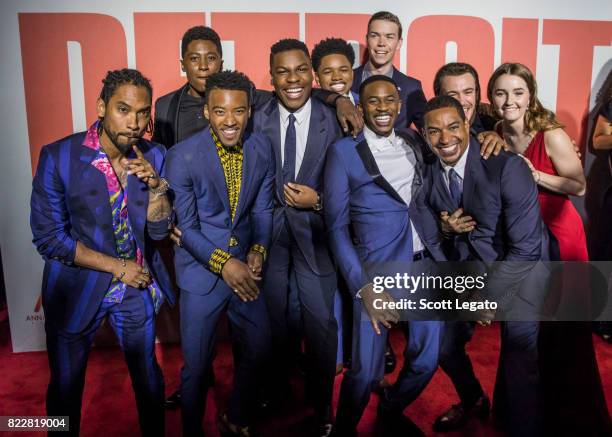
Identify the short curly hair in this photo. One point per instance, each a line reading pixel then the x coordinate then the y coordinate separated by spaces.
pixel 126 76
pixel 203 33
pixel 443 101
pixel 287 44
pixel 332 46
pixel 230 80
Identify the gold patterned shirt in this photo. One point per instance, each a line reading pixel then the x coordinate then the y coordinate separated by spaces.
pixel 231 158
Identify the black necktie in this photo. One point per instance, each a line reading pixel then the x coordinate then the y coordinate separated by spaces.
pixel 289 161
pixel 454 187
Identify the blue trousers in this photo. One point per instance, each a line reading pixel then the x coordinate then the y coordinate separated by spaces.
pixel 367 368
pixel 250 329
pixel 456 363
pixel 133 321
pixel 289 281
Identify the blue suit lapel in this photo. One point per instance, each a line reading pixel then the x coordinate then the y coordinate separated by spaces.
pixel 270 127
pixel 364 152
pixel 212 162
pixel 95 190
pixel 249 165
pixel 315 144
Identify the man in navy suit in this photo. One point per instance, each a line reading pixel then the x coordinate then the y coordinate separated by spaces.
pixel 374 184
pixel 98 201
pixel 300 129
pixel 222 182
pixel 496 202
pixel 383 40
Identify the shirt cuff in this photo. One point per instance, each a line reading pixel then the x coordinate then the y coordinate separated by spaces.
pixel 217 260
pixel 259 249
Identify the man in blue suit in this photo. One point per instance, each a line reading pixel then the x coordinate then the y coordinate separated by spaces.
pixel 98 201
pixel 383 40
pixel 495 217
pixel 300 129
pixel 374 184
pixel 222 180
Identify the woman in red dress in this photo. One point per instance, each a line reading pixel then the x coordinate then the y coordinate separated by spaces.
pixel 573 400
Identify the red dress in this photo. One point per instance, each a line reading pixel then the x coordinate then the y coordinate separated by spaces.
pixel 558 212
pixel 571 404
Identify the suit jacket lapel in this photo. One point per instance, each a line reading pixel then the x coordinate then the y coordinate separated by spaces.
pixel 473 159
pixel 271 128
pixel 249 164
pixel 211 161
pixel 370 165
pixel 95 191
pixel 315 144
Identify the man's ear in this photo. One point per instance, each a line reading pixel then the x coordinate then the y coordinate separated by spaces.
pixel 182 65
pixel 101 108
pixel 206 114
pixel 317 79
pixel 399 44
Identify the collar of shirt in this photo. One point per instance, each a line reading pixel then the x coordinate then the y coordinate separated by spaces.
pixel 367 71
pixel 459 166
pixel 378 142
pixel 301 114
pixel 350 96
pixel 92 139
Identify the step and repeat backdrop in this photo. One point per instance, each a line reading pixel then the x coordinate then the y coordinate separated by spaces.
pixel 54 55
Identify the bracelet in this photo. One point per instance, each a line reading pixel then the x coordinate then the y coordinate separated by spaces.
pixel 161 189
pixel 123 264
pixel 319 205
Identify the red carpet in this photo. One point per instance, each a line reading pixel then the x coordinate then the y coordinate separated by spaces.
pixel 109 407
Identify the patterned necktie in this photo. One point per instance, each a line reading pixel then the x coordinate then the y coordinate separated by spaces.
pixel 290 144
pixel 454 187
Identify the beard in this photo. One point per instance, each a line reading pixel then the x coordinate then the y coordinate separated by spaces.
pixel 124 147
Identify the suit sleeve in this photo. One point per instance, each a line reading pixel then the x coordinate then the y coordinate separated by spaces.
pixel 522 225
pixel 49 217
pixel 159 230
pixel 185 208
pixel 336 196
pixel 263 208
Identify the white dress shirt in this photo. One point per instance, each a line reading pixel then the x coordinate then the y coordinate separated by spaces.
pixel 459 168
pixel 396 161
pixel 302 123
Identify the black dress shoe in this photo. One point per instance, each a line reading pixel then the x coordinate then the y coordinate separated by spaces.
pixel 458 415
pixel 173 402
pixel 390 360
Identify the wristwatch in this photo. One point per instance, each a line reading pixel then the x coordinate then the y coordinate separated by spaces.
pixel 319 205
